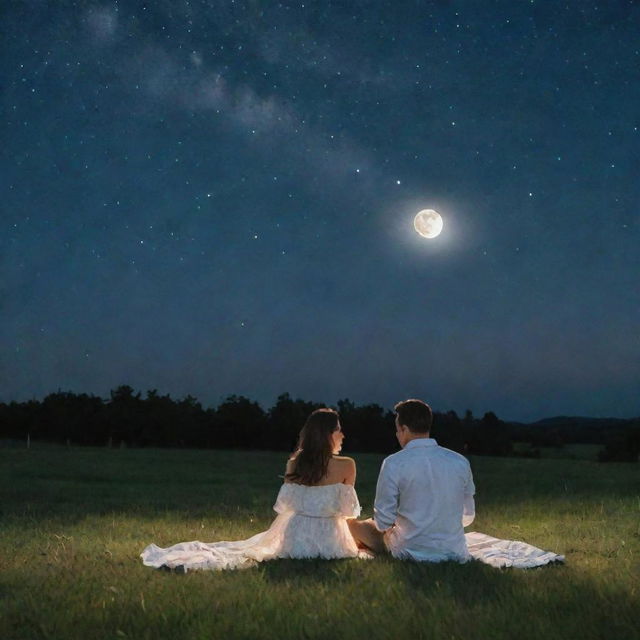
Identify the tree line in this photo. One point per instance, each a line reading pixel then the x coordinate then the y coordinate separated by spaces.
pixel 129 419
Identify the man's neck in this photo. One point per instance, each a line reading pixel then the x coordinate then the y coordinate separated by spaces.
pixel 416 436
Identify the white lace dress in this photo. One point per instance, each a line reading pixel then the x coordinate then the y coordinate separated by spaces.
pixel 311 523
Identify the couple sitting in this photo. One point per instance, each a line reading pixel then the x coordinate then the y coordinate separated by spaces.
pixel 424 499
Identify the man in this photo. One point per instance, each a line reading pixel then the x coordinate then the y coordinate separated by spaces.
pixel 424 496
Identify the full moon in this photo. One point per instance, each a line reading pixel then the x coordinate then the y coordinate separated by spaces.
pixel 428 223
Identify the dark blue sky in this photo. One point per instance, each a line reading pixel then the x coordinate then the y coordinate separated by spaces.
pixel 217 197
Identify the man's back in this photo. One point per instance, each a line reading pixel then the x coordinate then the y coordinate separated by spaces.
pixel 423 492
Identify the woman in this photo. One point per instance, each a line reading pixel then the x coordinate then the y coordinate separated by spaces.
pixel 313 505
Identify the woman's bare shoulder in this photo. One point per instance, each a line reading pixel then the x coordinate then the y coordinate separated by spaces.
pixel 343 469
pixel 344 460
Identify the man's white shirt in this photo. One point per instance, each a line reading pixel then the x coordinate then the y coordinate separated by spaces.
pixel 424 499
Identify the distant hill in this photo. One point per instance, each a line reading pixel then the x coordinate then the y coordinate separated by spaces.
pixel 571 429
pixel 561 421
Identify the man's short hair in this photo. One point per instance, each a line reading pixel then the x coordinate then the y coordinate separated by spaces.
pixel 415 415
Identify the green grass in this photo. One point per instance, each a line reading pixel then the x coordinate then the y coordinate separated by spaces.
pixel 73 522
pixel 570 451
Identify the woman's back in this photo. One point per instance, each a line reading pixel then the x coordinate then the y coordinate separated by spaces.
pixel 340 470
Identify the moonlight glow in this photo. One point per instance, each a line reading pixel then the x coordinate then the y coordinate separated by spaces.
pixel 428 223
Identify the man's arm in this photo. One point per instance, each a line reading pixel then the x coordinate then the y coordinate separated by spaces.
pixel 469 509
pixel 385 507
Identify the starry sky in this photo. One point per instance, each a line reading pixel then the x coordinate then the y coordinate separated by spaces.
pixel 217 197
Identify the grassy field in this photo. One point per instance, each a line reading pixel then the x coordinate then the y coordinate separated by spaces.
pixel 570 451
pixel 73 522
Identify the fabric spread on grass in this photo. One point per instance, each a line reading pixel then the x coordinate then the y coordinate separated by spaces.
pixel 508 553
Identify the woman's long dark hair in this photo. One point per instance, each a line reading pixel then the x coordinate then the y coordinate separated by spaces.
pixel 314 449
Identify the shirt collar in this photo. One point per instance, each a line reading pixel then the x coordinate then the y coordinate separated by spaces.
pixel 420 442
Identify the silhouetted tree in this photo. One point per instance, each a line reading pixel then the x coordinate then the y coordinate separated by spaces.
pixel 367 428
pixel 123 421
pixel 239 423
pixel 285 419
pixel 489 436
pixel 448 431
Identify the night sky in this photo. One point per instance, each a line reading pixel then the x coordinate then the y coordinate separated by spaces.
pixel 215 198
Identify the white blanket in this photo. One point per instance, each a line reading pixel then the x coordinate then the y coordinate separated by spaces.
pixel 508 553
